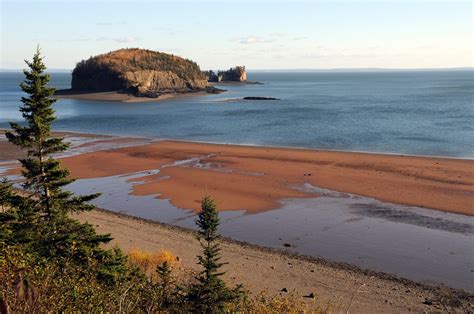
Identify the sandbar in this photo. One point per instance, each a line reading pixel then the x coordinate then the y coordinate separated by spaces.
pixel 256 179
pixel 118 96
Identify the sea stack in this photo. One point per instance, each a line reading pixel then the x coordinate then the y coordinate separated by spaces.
pixel 236 74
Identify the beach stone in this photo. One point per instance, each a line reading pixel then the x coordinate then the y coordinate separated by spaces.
pixel 428 302
pixel 311 296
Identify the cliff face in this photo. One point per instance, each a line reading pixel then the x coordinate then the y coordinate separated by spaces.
pixel 143 72
pixel 237 74
pixel 150 80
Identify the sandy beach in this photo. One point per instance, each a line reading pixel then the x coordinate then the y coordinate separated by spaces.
pixel 344 287
pixel 257 178
pixel 115 96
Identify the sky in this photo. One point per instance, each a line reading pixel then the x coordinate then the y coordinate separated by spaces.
pixel 258 34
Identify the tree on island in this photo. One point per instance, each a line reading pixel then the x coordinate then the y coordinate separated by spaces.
pixel 210 294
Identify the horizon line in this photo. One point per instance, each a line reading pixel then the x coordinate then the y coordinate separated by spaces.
pixel 299 69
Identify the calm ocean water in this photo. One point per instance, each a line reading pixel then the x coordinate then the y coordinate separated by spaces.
pixel 409 112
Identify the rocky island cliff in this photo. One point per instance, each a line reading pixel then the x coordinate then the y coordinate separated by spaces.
pixel 139 72
pixel 236 74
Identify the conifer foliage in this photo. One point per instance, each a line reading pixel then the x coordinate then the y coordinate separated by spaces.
pixel 44 175
pixel 40 218
pixel 210 294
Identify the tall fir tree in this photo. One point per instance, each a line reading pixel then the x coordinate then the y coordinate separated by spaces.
pixel 40 220
pixel 210 294
pixel 44 176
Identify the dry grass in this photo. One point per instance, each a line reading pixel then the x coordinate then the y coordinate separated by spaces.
pixel 148 261
pixel 290 303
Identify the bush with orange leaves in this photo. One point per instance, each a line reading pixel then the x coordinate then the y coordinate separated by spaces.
pixel 149 261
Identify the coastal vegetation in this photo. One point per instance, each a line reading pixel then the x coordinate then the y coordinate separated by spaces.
pixel 52 262
pixel 134 59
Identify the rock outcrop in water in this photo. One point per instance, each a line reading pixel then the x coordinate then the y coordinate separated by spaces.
pixel 236 74
pixel 142 72
pixel 260 98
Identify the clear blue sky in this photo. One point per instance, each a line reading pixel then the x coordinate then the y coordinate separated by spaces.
pixel 259 34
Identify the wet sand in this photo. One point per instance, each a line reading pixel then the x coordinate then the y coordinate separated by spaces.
pixel 79 143
pixel 257 178
pixel 346 288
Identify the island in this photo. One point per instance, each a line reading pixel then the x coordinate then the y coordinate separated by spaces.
pixel 235 75
pixel 134 74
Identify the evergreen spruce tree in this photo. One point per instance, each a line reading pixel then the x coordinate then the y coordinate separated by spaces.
pixel 15 208
pixel 40 220
pixel 6 194
pixel 166 289
pixel 210 294
pixel 44 176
